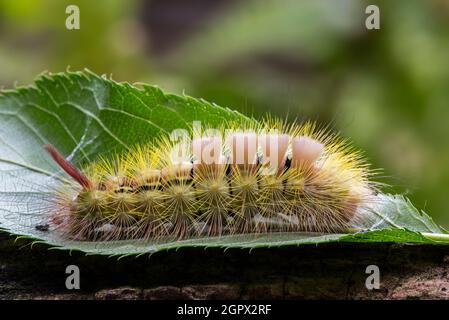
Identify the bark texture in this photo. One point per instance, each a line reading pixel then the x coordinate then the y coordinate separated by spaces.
pixel 327 271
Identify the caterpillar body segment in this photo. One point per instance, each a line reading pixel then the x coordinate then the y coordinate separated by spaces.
pixel 256 179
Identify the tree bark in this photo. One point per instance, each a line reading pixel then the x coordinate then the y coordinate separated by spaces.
pixel 326 271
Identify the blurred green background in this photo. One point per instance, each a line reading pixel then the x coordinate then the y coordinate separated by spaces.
pixel 387 89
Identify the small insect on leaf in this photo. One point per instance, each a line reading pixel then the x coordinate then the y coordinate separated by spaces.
pixel 98 172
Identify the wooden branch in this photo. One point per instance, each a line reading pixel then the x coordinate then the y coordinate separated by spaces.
pixel 327 271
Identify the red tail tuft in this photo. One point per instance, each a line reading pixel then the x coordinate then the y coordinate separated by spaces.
pixel 68 167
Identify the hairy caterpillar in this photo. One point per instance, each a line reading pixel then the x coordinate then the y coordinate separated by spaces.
pixel 249 178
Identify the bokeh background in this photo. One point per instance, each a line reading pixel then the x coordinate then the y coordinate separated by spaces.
pixel 387 89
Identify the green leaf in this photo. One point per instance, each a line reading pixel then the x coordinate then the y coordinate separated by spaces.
pixel 395 211
pixel 85 116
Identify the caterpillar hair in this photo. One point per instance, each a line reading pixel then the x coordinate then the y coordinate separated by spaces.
pixel 249 178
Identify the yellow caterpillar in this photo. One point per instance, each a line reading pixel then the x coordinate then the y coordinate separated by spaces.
pixel 242 178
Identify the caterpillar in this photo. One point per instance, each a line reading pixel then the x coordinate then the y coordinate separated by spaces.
pixel 241 178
